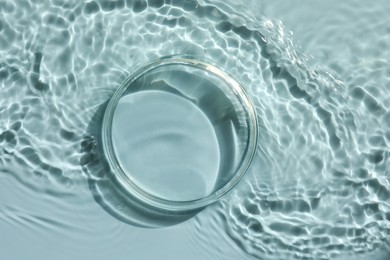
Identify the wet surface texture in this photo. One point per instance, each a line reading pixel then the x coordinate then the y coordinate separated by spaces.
pixel 319 187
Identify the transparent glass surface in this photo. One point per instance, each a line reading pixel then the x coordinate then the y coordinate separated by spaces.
pixel 179 133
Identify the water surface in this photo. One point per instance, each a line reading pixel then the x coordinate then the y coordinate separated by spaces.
pixel 166 144
pixel 319 186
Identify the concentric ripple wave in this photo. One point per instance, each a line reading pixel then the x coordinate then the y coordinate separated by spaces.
pixel 319 186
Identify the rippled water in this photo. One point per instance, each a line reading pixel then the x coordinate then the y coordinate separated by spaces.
pixel 319 187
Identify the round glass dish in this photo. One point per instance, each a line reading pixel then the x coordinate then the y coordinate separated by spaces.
pixel 179 133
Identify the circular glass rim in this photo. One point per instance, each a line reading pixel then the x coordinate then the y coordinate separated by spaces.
pixel 129 185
